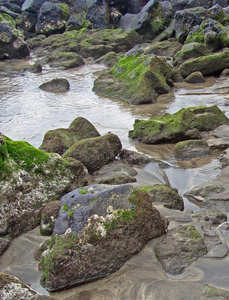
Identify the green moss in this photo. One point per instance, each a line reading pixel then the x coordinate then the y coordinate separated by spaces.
pixel 83 192
pixel 197 36
pixel 19 154
pixel 7 18
pixel 66 12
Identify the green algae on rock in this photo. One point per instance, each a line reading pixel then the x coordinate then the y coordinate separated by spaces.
pixel 208 65
pixel 60 139
pixel 29 178
pixel 64 60
pixel 91 43
pixel 95 152
pixel 187 123
pixel 180 247
pixel 135 78
pixel 161 193
pixel 103 245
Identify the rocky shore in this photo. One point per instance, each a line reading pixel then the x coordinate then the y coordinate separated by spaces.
pixel 102 219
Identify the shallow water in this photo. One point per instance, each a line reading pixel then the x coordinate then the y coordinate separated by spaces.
pixel 27 113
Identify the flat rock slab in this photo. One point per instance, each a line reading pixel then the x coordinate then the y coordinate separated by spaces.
pixel 179 248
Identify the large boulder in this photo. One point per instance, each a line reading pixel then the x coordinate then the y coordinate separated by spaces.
pixel 208 65
pixel 187 123
pixel 97 13
pixel 186 19
pixel 52 18
pixel 29 178
pixel 95 152
pixel 163 48
pixel 90 43
pixel 106 226
pixel 61 139
pixel 26 22
pixel 179 248
pixel 150 21
pixel 191 50
pixel 135 78
pixel 32 6
pixel 11 39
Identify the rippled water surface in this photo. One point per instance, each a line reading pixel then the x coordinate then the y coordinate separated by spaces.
pixel 27 113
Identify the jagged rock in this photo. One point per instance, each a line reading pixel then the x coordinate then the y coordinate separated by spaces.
pixel 97 14
pixel 61 139
pixel 11 39
pixel 135 78
pixel 26 22
pixel 187 123
pixel 179 248
pixel 160 193
pixel 52 18
pixel 116 225
pixel 150 21
pixel 57 85
pixel 95 152
pixel 32 6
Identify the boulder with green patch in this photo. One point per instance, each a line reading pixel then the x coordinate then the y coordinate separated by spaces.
pixel 29 179
pixel 187 123
pixel 118 224
pixel 208 65
pixel 61 139
pixel 135 78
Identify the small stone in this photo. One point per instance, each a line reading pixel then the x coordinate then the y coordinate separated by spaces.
pixel 195 77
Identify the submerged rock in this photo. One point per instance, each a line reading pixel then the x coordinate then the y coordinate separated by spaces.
pixel 115 225
pixel 57 85
pixel 179 248
pixel 135 78
pixel 191 149
pixel 95 152
pixel 187 123
pixel 61 139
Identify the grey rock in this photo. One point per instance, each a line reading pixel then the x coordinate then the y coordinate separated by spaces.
pixel 57 85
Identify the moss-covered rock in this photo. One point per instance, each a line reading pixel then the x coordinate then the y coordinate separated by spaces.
pixel 135 78
pixel 191 50
pixel 91 43
pixel 29 178
pixel 95 152
pixel 107 239
pixel 163 48
pixel 181 246
pixel 208 65
pixel 61 139
pixel 64 60
pixel 161 193
pixel 56 85
pixel 191 149
pixel 187 123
